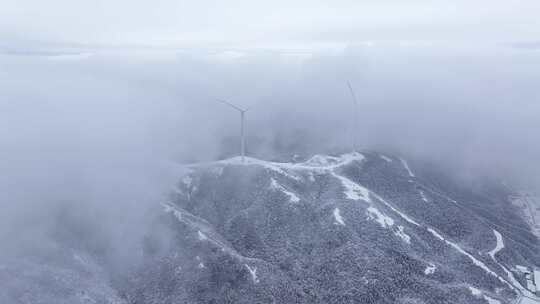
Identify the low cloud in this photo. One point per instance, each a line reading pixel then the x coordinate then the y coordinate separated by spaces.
pixel 104 133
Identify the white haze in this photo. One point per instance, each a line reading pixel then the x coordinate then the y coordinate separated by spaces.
pixel 98 129
pixel 210 23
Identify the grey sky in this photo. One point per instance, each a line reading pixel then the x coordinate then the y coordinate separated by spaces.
pixel 250 24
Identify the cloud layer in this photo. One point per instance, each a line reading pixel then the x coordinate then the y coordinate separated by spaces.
pixel 277 23
pixel 99 129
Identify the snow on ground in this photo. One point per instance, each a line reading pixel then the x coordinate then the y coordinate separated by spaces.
pixel 530 285
pixel 470 256
pixel 338 217
pixel 318 163
pixel 475 291
pixel 384 220
pixel 189 187
pixel 386 158
pixel 403 215
pixel 499 246
pixel 279 168
pixel 527 300
pixel 253 273
pixel 204 232
pixel 491 300
pixel 423 196
pixel 516 283
pixel 322 160
pixel 328 164
pixel 292 197
pixel 178 270
pixel 430 269
pixel 387 222
pixel 436 234
pixel 353 191
pixel 331 162
pixel 479 294
pixel 400 232
pixel 273 166
pixel 201 264
pixel 406 166
pixel 202 236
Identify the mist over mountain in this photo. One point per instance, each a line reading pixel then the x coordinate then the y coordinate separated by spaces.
pixel 120 170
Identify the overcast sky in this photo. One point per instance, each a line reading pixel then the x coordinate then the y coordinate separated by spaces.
pixel 270 24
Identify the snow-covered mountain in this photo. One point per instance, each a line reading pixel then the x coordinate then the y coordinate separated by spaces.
pixel 354 228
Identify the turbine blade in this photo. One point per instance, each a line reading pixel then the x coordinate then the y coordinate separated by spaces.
pixel 230 105
pixel 352 92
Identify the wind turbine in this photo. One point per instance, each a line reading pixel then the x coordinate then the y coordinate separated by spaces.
pixel 242 123
pixel 355 117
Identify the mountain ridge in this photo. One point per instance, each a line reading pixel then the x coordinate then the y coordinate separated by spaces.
pixel 337 192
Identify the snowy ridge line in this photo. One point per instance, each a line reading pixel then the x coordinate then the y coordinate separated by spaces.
pixel 474 260
pixel 319 163
pixel 328 164
pixel 205 233
pixel 249 161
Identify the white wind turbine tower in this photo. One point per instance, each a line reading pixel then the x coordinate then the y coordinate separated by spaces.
pixel 355 118
pixel 242 123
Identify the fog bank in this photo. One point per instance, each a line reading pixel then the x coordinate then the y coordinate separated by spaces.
pixel 100 134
